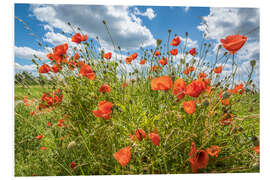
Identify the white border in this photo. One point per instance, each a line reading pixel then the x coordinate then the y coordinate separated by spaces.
pixel 7 70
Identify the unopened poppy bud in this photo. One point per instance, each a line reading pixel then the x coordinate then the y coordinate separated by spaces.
pixel 255 141
pixel 169 31
pixel 204 44
pixel 205 103
pixel 209 45
pixel 253 63
pixel 104 22
pixel 119 47
pixel 219 46
pixel 69 23
pixel 186 33
pixel 225 53
pixel 71 145
pixel 158 42
pixel 225 95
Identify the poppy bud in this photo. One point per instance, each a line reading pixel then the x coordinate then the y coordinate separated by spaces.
pixel 225 53
pixel 186 33
pixel 69 23
pixel 205 103
pixel 219 46
pixel 204 44
pixel 253 63
pixel 119 47
pixel 104 22
pixel 225 95
pixel 71 145
pixel 255 141
pixel 169 31
pixel 158 42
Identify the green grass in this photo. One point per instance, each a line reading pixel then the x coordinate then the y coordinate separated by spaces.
pixel 97 139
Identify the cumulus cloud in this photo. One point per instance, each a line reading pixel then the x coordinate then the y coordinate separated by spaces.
pixel 222 22
pixel 28 53
pixel 28 68
pixel 150 13
pixel 127 31
pixel 190 43
pixel 186 9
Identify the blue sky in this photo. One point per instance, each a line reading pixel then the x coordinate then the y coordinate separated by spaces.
pixel 130 26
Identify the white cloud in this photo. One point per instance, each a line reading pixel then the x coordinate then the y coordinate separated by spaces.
pixel 28 68
pixel 186 9
pixel 190 43
pixel 127 31
pixel 28 53
pixel 150 13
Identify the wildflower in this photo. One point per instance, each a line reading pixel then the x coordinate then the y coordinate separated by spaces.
pixel 72 165
pixel 49 124
pixel 257 149
pixel 154 138
pixel 198 159
pixel 132 137
pixel 157 53
pixel 57 96
pixel 143 61
pixel 226 119
pixel 78 38
pixel 213 150
pixel 76 56
pixel 32 113
pixel 39 137
pixel 192 52
pixel 50 56
pixel 189 106
pixel 179 88
pixel 218 69
pixel 59 52
pixel 238 88
pixel 44 68
pixel 202 75
pixel 43 148
pixel 104 109
pixel 124 85
pixel 123 156
pixel 163 61
pixel 161 83
pixel 108 55
pixel 196 87
pixel 188 70
pixel 56 68
pixel 25 100
pixel 130 58
pixel 105 88
pixel 87 72
pixel 47 98
pixel 154 68
pixel 174 52
pixel 233 43
pixel 176 41
pixel 71 64
pixel 140 134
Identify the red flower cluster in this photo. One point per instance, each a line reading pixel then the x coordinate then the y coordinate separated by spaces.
pixel 188 70
pixel 196 87
pixel 163 61
pixel 105 88
pixel 104 109
pixel 51 99
pixel 86 71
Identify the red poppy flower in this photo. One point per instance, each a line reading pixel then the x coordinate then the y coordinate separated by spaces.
pixel 157 53
pixel 72 165
pixel 226 119
pixel 44 68
pixel 179 88
pixel 233 43
pixel 43 148
pixel 198 160
pixel 71 64
pixel 189 106
pixel 108 55
pixel 176 41
pixel 49 124
pixel 50 56
pixel 105 88
pixel 213 150
pixel 238 88
pixel 163 61
pixel 104 109
pixel 76 56
pixel 143 61
pixel 196 87
pixel 188 70
pixel 123 156
pixel 192 51
pixel 32 113
pixel 161 83
pixel 56 68
pixel 257 149
pixel 39 137
pixel 154 68
pixel 87 72
pixel 202 75
pixel 174 52
pixel 57 96
pixel 140 134
pixel 132 137
pixel 80 64
pixel 132 57
pixel 218 69
pixel 60 50
pixel 154 138
pixel 78 38
pixel 124 85
pixel 47 98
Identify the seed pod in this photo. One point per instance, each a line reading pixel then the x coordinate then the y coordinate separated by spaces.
pixel 71 145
